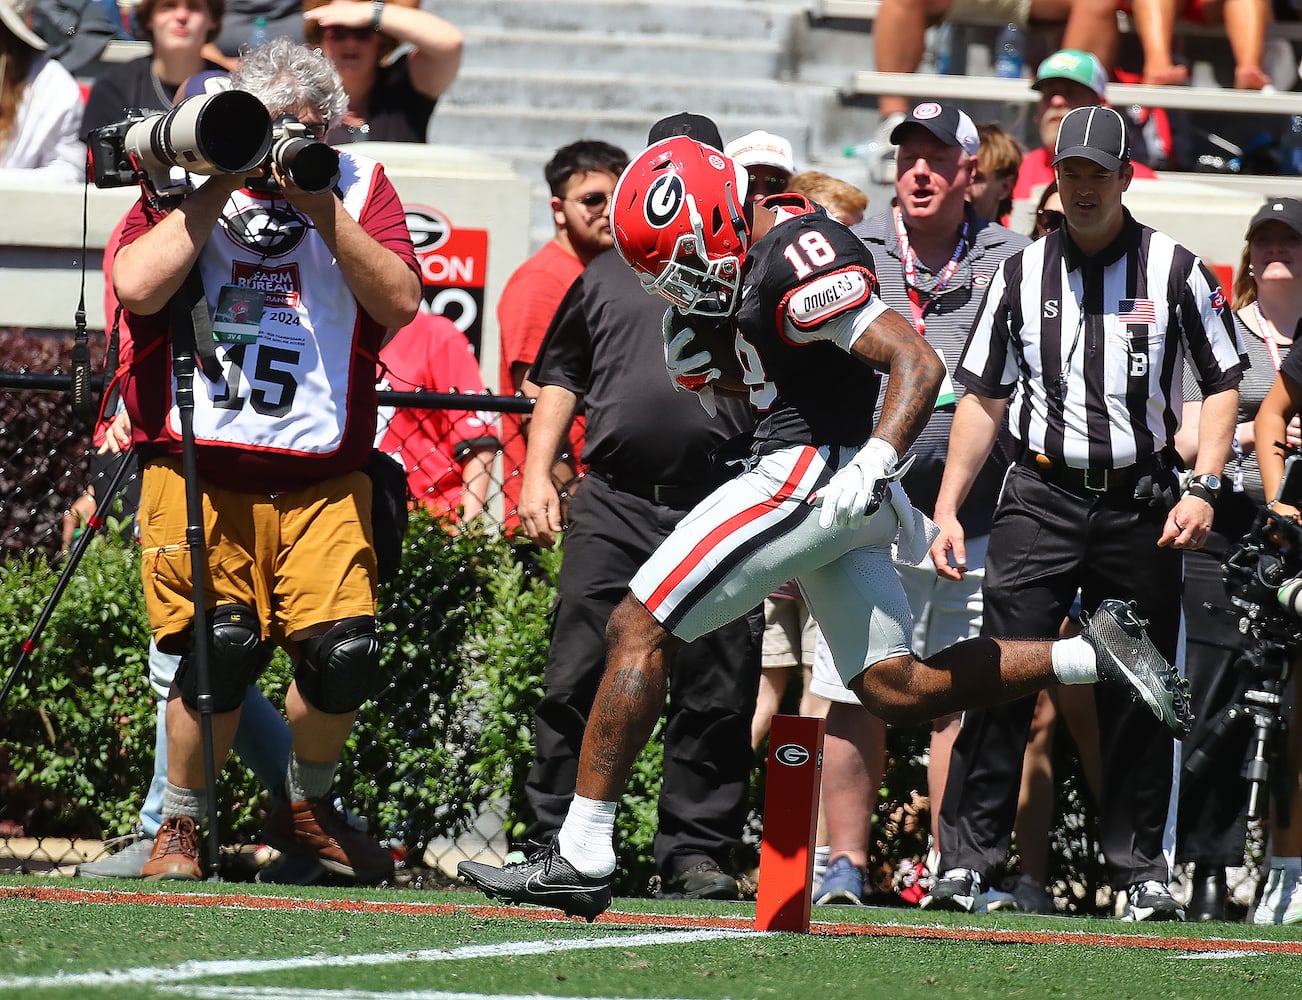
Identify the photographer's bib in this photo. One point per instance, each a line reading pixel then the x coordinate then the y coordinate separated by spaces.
pixel 285 328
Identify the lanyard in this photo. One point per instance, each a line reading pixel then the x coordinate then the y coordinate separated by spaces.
pixel 1267 329
pixel 909 258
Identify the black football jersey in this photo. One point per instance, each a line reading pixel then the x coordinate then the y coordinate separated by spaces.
pixel 805 272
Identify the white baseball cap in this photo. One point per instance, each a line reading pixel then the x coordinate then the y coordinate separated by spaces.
pixel 760 148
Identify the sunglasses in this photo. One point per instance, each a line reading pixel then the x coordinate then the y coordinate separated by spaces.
pixel 768 183
pixel 593 201
pixel 338 33
pixel 1049 219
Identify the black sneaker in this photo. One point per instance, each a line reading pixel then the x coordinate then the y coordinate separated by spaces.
pixel 1126 656
pixel 1150 900
pixel 705 880
pixel 546 879
pixel 957 891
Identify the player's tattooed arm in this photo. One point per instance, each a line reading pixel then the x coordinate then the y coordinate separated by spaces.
pixel 890 344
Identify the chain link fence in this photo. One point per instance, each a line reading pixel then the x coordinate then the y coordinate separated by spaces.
pixel 436 762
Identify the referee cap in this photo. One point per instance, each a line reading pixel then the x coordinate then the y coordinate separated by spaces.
pixel 1097 134
pixel 1074 65
pixel 1285 210
pixel 946 122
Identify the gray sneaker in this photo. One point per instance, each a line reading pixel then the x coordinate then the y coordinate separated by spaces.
pixel 546 879
pixel 1126 656
pixel 957 891
pixel 126 863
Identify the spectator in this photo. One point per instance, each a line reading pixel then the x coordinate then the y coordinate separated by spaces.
pixel 805 506
pixel 999 159
pixel 1267 302
pixel 448 454
pixel 899 41
pixel 177 31
pixel 40 106
pixel 935 255
pixel 1070 332
pixel 1245 21
pixel 1048 212
pixel 389 100
pixel 280 19
pixel 841 200
pixel 789 640
pixel 1066 80
pixel 581 177
pixel 767 159
pixel 313 590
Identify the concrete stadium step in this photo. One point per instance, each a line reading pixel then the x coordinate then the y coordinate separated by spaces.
pixel 728 19
pixel 480 126
pixel 548 90
pixel 675 56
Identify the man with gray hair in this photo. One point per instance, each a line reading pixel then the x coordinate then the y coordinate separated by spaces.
pixel 300 288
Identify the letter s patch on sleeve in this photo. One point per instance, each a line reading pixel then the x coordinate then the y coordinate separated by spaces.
pixel 827 296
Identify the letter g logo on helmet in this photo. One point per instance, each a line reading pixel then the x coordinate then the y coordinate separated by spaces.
pixel 791 754
pixel 663 200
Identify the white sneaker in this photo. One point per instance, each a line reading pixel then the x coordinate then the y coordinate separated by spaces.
pixel 1281 903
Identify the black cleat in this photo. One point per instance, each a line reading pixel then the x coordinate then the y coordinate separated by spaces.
pixel 1126 656
pixel 545 879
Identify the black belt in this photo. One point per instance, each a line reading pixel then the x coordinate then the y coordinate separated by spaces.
pixel 665 494
pixel 1082 482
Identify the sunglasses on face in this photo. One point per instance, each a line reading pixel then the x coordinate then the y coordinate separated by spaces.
pixel 768 183
pixel 1048 219
pixel 593 201
pixel 338 33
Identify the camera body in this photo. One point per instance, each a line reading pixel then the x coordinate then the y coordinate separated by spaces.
pixel 1263 574
pixel 311 165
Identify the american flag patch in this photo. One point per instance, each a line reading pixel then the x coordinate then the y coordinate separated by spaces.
pixel 1137 311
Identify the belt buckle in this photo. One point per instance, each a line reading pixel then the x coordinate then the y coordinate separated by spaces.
pixel 659 494
pixel 1096 480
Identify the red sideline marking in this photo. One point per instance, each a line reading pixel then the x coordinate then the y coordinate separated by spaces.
pixel 931 933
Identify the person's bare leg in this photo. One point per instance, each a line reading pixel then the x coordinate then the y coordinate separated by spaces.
pixel 185 742
pixel 1091 26
pixel 772 685
pixel 629 700
pixel 318 736
pixel 974 673
pixel 854 760
pixel 1154 22
pixel 899 41
pixel 1246 22
pixel 944 731
pixel 1035 801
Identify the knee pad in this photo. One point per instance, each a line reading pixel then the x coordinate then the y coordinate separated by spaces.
pixel 340 670
pixel 236 658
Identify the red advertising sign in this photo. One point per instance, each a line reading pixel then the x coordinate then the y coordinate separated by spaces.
pixel 453 267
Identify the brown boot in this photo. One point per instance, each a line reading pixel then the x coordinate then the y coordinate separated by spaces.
pixel 312 827
pixel 176 852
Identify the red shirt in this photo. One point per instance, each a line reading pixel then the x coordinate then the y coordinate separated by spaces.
pixel 432 355
pixel 1037 171
pixel 524 312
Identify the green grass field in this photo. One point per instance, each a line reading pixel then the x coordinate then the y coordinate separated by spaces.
pixel 64 939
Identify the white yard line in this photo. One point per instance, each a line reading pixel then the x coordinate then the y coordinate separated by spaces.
pixel 187 971
pixel 291 993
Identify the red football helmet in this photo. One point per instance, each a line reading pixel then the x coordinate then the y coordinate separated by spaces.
pixel 677 220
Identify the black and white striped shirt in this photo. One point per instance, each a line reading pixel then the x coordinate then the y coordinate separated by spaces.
pixel 1093 349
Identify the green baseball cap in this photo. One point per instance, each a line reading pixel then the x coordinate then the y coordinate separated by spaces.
pixel 1073 64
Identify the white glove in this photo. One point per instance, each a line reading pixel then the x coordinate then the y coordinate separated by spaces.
pixel 858 487
pixel 694 371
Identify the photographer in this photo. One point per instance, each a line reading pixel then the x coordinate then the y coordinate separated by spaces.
pixel 283 437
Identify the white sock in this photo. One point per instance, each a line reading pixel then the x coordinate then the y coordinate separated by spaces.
pixel 587 837
pixel 822 854
pixel 1074 661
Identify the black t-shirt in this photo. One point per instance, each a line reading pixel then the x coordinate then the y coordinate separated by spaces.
pixel 129 86
pixel 605 345
pixel 397 111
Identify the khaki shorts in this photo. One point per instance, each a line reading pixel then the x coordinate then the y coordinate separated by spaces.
pixel 300 559
pixel 788 633
pixel 990 11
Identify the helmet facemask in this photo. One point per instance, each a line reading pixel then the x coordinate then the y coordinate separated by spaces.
pixel 694 283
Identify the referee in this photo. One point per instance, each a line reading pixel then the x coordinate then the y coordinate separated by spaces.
pixel 1082 341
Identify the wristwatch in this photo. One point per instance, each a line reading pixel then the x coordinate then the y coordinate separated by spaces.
pixel 1206 487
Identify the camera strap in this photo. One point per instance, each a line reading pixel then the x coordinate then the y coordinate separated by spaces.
pixel 191 324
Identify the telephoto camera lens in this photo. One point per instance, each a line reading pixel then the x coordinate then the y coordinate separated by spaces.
pixel 311 165
pixel 224 133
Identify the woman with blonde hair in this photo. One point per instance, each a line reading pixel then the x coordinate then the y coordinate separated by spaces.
pixel 395 62
pixel 40 105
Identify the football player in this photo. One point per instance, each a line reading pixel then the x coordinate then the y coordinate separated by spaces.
pixel 794 294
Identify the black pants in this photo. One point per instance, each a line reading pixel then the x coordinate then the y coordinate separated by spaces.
pixel 1047 543
pixel 1213 813
pixel 712 686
